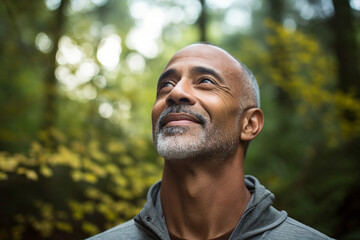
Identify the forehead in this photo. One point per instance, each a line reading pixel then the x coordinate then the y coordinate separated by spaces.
pixel 207 56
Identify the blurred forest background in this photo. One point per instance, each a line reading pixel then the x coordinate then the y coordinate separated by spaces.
pixel 78 81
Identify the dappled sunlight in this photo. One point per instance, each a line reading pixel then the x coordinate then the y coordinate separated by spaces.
pixel 106 110
pixel 222 4
pixel 145 36
pixel 308 10
pixel 109 51
pixel 100 81
pixel 136 63
pixel 84 73
pixel 238 19
pixel 144 41
pixel 52 4
pixel 43 42
pixel 355 4
pixel 149 23
pixel 87 70
pixel 69 52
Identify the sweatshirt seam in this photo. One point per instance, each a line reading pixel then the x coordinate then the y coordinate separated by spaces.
pixel 120 227
pixel 149 230
pixel 263 230
pixel 308 229
pixel 114 229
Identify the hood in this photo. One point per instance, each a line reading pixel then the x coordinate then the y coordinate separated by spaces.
pixel 150 217
pixel 258 217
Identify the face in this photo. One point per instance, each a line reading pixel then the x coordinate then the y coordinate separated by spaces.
pixel 197 110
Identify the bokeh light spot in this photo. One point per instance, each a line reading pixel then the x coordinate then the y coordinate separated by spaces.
pixel 43 43
pixel 135 62
pixel 106 110
pixel 109 51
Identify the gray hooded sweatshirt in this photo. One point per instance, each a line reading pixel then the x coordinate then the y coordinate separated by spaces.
pixel 259 221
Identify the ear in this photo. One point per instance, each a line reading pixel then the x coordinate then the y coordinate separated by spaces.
pixel 252 123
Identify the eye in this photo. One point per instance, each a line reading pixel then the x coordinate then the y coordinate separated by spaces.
pixel 166 84
pixel 207 80
pixel 165 87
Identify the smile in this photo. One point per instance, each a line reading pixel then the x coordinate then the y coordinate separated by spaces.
pixel 179 119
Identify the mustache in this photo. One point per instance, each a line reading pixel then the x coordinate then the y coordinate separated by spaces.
pixel 180 109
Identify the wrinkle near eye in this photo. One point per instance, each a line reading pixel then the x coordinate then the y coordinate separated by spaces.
pixel 226 90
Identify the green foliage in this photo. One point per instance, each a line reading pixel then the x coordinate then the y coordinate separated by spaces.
pixel 310 80
pixel 101 162
pixel 309 166
pixel 84 187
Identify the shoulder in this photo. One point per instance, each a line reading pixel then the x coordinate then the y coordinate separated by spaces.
pixel 127 230
pixel 292 229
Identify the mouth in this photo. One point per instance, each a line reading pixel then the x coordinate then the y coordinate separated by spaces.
pixel 179 119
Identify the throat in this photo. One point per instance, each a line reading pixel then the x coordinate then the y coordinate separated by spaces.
pixel 225 236
pixel 198 204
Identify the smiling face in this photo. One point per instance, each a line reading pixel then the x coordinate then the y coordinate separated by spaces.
pixel 198 106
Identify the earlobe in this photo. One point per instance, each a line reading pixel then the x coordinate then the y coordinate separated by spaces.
pixel 252 124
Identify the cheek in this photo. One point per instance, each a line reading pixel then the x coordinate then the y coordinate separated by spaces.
pixel 221 109
pixel 156 112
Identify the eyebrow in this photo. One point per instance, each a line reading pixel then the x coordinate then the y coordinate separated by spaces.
pixel 194 70
pixel 205 70
pixel 165 74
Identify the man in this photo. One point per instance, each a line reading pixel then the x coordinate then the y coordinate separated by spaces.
pixel 205 114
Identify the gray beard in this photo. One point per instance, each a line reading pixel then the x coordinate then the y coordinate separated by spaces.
pixel 171 144
pixel 176 143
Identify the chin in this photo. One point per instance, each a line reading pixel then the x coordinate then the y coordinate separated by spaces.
pixel 174 131
pixel 176 147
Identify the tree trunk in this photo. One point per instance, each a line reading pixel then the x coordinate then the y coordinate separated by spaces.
pixel 348 61
pixel 345 46
pixel 202 21
pixel 50 83
pixel 276 12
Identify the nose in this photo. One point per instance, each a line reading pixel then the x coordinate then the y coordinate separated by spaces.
pixel 181 94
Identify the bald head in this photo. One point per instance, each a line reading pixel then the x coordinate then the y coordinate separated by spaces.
pixel 246 81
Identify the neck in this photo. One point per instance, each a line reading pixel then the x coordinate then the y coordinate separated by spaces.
pixel 201 201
